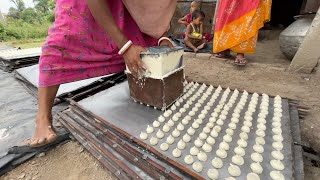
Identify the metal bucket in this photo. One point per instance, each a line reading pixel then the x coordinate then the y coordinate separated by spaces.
pixel 291 38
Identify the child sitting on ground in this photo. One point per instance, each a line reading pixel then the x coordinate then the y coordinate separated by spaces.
pixel 186 20
pixel 194 38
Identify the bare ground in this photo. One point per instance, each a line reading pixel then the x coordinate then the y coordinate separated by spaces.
pixel 266 73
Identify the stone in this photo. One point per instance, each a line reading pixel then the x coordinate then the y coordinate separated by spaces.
pixel 189 55
pixel 204 56
pixel 21 176
pixel 41 154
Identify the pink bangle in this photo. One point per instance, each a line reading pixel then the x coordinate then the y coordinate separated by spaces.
pixel 125 47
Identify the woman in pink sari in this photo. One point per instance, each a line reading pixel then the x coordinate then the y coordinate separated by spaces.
pixel 92 38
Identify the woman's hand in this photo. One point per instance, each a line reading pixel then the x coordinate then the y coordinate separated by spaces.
pixel 133 60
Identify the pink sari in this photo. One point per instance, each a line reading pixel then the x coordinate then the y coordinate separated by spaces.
pixel 78 48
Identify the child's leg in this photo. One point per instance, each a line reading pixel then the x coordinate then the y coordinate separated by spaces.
pixel 201 43
pixel 188 43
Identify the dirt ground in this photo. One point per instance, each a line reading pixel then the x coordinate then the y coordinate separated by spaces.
pixel 266 73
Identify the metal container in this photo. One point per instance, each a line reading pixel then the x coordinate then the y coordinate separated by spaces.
pixel 291 38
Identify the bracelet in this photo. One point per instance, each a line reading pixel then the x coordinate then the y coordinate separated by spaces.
pixel 125 47
pixel 166 38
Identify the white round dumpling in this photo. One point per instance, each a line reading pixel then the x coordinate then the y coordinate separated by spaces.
pixel 210 140
pixel 195 125
pixel 260 133
pixel 185 121
pixel 227 138
pixel 194 151
pixel 156 124
pixel 224 145
pixel 188 159
pixel 210 124
pixel 256 168
pixel 180 127
pixel 237 160
pixel 202 156
pixel 245 129
pixel 248 123
pixel 277 165
pixel 160 134
pixel 175 117
pixel 235 120
pixel 242 143
pixel 149 129
pixel 243 135
pixel 217 163
pixel 240 151
pixel 170 123
pixel 161 119
pixel 153 141
pixel 203 136
pixel 182 110
pixel 235 115
pixel 207 147
pixel 260 140
pixel 176 152
pixel 220 122
pixel 164 146
pixel 214 133
pixel 192 113
pixel 277 155
pixel 166 128
pixel 276 175
pixel 198 142
pixel 277 130
pixel 232 125
pixel 186 138
pixel 229 131
pixel 143 136
pixel 258 148
pixel 173 107
pixel 256 157
pixel 197 166
pixel 191 131
pixel 261 126
pixel 206 129
pixel 170 140
pixel 195 109
pixel 221 153
pixel 277 145
pixel 213 174
pixel 175 133
pixel 217 128
pixel 181 145
pixel 234 170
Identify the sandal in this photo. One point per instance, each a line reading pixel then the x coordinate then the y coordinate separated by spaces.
pixel 241 61
pixel 224 55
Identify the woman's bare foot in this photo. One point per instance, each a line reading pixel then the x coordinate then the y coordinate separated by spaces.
pixel 44 133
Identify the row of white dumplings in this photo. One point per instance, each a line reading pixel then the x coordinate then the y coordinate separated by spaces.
pixel 276 163
pixel 209 140
pixel 239 151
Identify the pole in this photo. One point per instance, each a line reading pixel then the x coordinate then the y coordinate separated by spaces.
pixel 215 16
